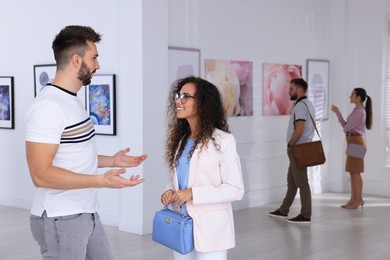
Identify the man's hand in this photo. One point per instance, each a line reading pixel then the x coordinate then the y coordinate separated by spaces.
pixel 121 159
pixel 113 179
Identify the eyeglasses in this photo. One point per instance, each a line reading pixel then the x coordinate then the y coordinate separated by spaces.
pixel 183 97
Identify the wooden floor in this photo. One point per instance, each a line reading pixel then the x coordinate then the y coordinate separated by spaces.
pixel 335 233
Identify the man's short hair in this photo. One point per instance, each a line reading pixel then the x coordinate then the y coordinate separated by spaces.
pixel 73 40
pixel 299 82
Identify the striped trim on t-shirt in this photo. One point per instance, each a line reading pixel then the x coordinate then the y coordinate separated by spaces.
pixel 78 133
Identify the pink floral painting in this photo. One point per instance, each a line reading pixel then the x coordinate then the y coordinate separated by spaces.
pixel 234 79
pixel 276 83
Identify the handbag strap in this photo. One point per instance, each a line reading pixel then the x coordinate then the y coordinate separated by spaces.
pixel 314 123
pixel 349 135
pixel 183 209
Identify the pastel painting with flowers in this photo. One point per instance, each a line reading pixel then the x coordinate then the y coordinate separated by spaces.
pixel 276 84
pixel 234 79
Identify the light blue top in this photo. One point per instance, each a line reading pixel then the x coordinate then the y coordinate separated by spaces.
pixel 183 169
pixel 183 166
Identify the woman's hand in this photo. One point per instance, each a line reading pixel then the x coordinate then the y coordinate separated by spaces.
pixel 335 109
pixel 182 196
pixel 166 197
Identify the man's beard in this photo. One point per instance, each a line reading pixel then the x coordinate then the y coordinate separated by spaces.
pixel 294 97
pixel 84 74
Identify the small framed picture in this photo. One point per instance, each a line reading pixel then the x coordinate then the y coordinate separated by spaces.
pixel 182 62
pixel 317 76
pixel 100 103
pixel 7 102
pixel 43 74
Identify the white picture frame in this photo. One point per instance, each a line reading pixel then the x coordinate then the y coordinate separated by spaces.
pixel 182 62
pixel 317 77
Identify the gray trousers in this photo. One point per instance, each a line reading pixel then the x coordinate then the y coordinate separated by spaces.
pixel 73 237
pixel 297 178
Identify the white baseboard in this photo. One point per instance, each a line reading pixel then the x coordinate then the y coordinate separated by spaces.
pixel 135 227
pixel 109 219
pixel 15 202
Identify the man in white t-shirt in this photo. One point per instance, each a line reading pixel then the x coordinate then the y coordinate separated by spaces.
pixel 300 130
pixel 63 160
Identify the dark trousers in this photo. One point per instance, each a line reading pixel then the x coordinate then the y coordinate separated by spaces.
pixel 297 178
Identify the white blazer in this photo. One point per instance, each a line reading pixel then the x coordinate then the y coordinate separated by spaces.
pixel 216 180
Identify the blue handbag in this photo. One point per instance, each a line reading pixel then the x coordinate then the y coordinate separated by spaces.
pixel 173 230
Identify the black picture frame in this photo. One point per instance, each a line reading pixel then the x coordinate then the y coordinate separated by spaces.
pixel 43 74
pixel 101 103
pixel 7 111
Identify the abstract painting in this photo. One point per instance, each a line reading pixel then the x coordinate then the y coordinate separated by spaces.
pixel 100 96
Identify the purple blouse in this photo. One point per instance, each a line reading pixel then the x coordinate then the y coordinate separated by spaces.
pixel 355 121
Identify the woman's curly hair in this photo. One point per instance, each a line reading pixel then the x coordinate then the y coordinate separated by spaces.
pixel 210 113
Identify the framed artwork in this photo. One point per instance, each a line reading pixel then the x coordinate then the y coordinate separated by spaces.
pixel 317 76
pixel 276 84
pixel 7 102
pixel 43 74
pixel 182 62
pixel 100 103
pixel 234 80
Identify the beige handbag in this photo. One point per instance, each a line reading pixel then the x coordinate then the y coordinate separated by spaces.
pixel 357 151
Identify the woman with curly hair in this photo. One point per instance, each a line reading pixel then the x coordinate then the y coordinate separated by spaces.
pixel 205 169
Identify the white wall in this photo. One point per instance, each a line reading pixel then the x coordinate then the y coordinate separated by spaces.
pixel 155 60
pixel 358 44
pixel 129 50
pixel 136 34
pixel 258 31
pixel 27 30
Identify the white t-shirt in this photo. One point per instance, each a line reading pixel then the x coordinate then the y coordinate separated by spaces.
pixel 57 116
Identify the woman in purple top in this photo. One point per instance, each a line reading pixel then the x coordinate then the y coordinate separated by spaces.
pixel 354 128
